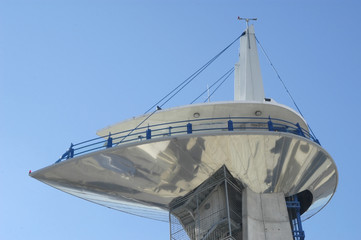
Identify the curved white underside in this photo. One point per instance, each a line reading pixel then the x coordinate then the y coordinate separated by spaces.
pixel 144 177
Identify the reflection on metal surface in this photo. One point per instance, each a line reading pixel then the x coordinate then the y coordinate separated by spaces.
pixel 152 173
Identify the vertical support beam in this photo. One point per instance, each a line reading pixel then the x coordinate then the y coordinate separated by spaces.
pixel 170 224
pixel 227 202
pixel 295 219
pixel 301 232
pixel 198 233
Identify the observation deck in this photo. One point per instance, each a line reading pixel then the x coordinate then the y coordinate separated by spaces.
pixel 140 171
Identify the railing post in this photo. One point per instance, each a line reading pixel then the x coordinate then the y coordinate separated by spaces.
pixel 109 141
pixel 270 125
pixel 300 132
pixel 68 154
pixel 148 134
pixel 70 151
pixel 170 131
pixel 189 128
pixel 230 125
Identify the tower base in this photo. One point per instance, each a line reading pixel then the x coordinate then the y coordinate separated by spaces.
pixel 265 216
pixel 221 208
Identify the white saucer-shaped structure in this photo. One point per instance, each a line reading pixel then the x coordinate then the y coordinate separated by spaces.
pixel 153 172
pixel 264 145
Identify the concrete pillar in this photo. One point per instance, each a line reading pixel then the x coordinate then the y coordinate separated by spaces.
pixel 265 216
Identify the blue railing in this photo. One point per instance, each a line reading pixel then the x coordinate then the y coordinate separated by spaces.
pixel 186 127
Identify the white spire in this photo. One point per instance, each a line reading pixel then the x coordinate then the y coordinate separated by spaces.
pixel 248 85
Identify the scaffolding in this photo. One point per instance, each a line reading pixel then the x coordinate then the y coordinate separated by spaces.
pixel 211 211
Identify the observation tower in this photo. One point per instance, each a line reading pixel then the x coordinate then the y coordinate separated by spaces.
pixel 247 169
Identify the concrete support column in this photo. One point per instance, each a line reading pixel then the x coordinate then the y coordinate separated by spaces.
pixel 265 216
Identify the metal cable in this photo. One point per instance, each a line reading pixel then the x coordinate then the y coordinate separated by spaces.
pixel 181 86
pixel 229 74
pixel 190 78
pixel 219 79
pixel 284 85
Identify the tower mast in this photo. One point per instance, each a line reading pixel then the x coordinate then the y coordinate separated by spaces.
pixel 248 85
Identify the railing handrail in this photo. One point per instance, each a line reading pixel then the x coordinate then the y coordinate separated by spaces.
pixel 172 128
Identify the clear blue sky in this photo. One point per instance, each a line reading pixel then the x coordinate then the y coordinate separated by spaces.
pixel 71 67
